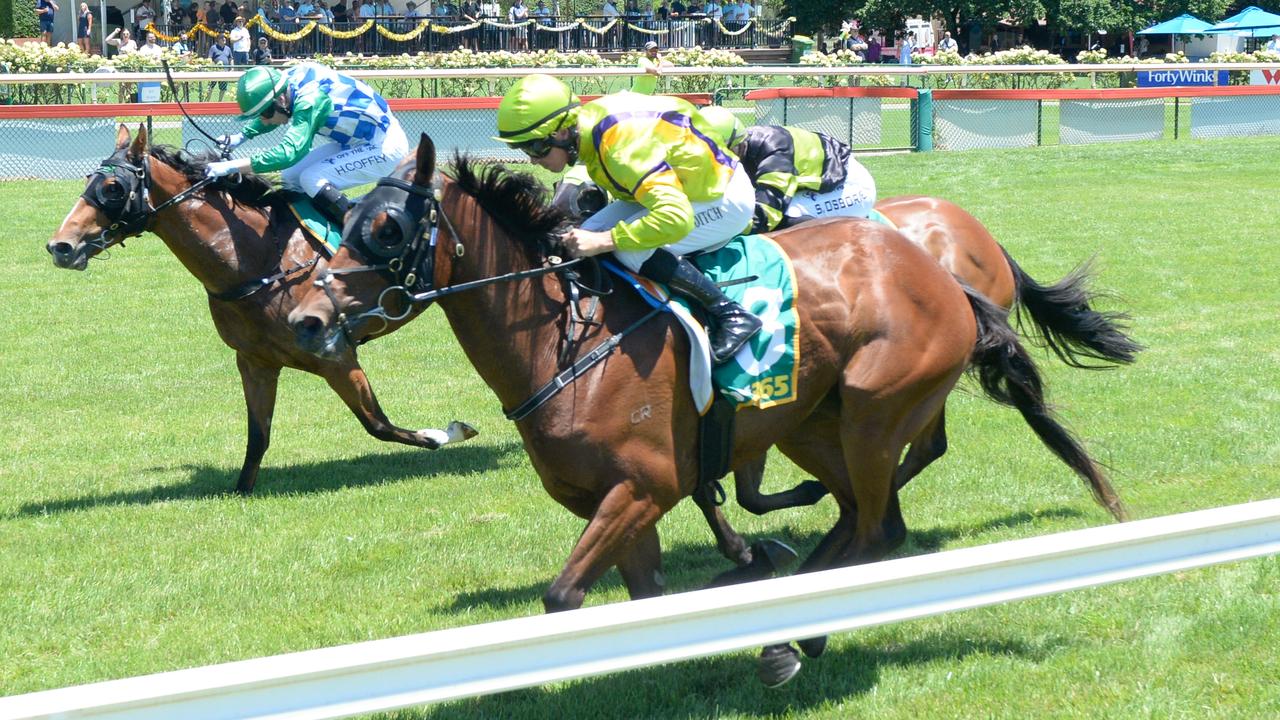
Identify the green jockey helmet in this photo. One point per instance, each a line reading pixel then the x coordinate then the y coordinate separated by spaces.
pixel 536 107
pixel 726 125
pixel 257 88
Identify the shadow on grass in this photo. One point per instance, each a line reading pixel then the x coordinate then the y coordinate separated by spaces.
pixel 726 685
pixel 691 566
pixel 206 481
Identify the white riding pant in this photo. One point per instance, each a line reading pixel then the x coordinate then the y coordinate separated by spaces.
pixel 715 222
pixel 854 198
pixel 347 167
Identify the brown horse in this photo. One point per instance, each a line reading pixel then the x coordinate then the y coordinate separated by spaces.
pixel 1059 316
pixel 885 333
pixel 253 260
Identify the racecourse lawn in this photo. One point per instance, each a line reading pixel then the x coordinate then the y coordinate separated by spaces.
pixel 122 551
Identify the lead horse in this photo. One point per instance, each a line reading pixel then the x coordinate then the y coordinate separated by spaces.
pixel 253 260
pixel 885 334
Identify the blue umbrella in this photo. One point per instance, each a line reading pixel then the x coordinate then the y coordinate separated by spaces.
pixel 1249 21
pixel 1182 25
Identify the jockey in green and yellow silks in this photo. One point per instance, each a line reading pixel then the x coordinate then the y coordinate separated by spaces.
pixel 798 174
pixel 677 190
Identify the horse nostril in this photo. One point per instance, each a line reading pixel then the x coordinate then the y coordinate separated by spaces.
pixel 308 325
pixel 61 248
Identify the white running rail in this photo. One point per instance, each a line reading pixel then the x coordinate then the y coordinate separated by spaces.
pixel 481 659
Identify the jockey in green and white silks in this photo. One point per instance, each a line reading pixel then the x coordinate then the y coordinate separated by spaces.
pixel 798 174
pixel 677 190
pixel 313 100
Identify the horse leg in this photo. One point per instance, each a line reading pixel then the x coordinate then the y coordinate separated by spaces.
pixel 625 515
pixel 747 479
pixel 641 567
pixel 259 383
pixel 779 663
pixel 352 385
pixel 763 558
pixel 815 448
pixel 728 541
pixel 928 446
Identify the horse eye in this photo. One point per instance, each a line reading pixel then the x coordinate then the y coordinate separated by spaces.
pixel 113 191
pixel 388 234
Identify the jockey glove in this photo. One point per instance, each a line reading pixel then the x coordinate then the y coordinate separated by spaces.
pixel 231 142
pixel 220 169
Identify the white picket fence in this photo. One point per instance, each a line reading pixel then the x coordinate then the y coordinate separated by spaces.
pixel 483 659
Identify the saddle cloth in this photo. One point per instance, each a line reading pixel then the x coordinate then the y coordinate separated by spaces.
pixel 757 273
pixel 315 224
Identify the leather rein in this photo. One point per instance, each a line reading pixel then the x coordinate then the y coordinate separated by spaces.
pixel 410 262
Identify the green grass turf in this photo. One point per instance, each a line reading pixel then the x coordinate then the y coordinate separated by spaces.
pixel 123 552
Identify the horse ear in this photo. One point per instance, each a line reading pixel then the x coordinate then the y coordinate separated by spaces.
pixel 122 137
pixel 426 167
pixel 139 147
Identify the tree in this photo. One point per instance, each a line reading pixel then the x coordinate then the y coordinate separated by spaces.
pixel 18 19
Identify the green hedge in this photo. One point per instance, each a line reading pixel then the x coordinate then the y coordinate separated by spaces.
pixel 18 19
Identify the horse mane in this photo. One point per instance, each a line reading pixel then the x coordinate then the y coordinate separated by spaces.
pixel 251 189
pixel 516 200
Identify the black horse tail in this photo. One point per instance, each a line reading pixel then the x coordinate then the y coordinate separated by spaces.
pixel 1009 376
pixel 1068 325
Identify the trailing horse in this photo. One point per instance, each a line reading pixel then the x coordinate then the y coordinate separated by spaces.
pixel 884 333
pixel 253 260
pixel 1059 316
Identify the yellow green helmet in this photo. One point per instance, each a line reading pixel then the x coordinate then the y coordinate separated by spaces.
pixel 725 124
pixel 536 107
pixel 257 88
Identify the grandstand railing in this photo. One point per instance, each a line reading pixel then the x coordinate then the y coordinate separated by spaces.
pixel 395 35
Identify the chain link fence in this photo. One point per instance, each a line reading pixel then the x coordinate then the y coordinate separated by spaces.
pixel 52 142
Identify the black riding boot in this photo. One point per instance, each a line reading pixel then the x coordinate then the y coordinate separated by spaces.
pixel 333 203
pixel 731 325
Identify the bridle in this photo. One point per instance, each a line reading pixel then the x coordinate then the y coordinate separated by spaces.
pixel 404 250
pixel 129 209
pixel 410 264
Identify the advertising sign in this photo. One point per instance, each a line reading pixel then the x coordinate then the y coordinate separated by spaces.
pixel 1181 78
pixel 1264 77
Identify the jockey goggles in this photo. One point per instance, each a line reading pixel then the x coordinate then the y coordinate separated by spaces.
pixel 538 147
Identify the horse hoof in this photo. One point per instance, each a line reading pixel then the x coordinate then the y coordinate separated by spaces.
pixel 459 431
pixel 432 439
pixel 778 664
pixel 778 554
pixel 814 646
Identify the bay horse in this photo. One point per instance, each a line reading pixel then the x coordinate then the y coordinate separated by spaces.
pixel 253 260
pixel 885 334
pixel 1058 316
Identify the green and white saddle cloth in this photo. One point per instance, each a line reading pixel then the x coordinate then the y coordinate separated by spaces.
pixel 315 224
pixel 756 273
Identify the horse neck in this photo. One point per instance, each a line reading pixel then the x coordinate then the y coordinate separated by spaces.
pixel 221 244
pixel 509 330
